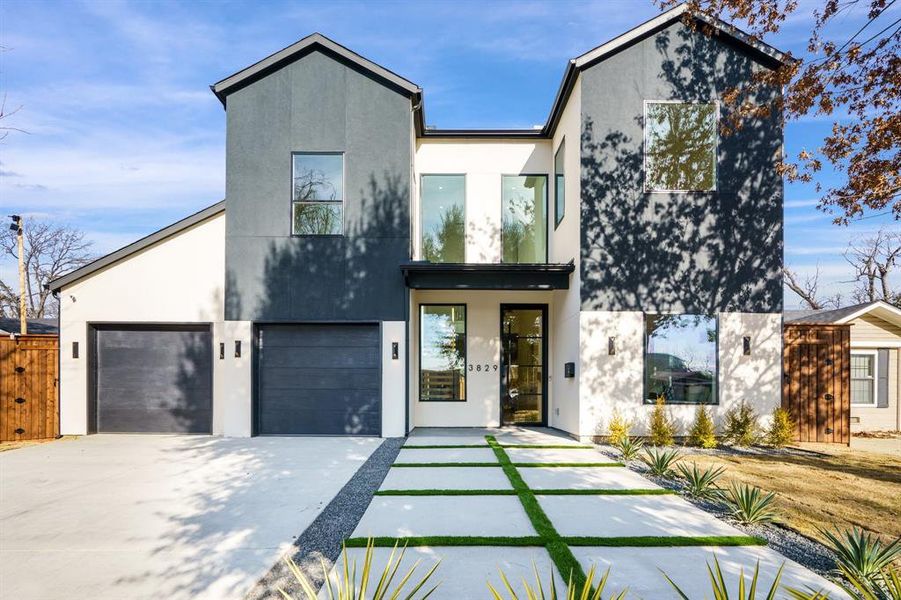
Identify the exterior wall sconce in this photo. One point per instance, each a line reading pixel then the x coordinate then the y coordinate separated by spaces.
pixel 746 345
pixel 237 348
pixel 569 369
pixel 395 351
pixel 611 346
pixel 221 350
pixel 74 349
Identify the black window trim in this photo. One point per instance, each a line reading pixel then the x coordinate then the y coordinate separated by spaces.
pixel 644 360
pixel 547 181
pixel 465 352
pixel 644 148
pixel 560 146
pixel 465 213
pixel 343 201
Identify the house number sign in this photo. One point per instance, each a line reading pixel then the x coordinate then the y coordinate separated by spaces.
pixel 482 367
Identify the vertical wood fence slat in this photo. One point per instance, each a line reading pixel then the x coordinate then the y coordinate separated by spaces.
pixel 29 402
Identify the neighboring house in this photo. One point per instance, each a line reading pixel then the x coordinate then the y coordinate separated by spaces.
pixel 875 358
pixel 42 326
pixel 368 274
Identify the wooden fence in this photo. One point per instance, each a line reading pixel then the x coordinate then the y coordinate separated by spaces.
pixel 29 390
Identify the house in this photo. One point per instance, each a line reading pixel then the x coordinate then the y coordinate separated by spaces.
pixel 367 273
pixel 875 355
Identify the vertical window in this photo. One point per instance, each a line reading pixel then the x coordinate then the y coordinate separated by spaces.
pixel 680 146
pixel 318 194
pixel 443 218
pixel 559 180
pixel 681 359
pixel 524 219
pixel 442 353
pixel 863 378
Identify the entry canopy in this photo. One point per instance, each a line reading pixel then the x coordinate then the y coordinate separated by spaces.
pixel 423 275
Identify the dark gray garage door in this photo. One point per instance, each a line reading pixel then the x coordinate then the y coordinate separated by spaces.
pixel 319 379
pixel 153 379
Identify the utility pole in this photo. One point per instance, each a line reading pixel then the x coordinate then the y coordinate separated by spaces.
pixel 18 226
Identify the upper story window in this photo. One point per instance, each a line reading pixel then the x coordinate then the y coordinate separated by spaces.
pixel 680 146
pixel 524 219
pixel 559 180
pixel 680 363
pixel 443 218
pixel 318 194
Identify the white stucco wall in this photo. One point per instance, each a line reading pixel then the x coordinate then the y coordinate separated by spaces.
pixel 177 280
pixel 616 381
pixel 394 376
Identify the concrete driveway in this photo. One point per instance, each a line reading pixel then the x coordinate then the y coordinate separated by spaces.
pixel 124 516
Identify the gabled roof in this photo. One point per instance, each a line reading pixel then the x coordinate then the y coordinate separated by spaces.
pixel 135 247
pixel 841 316
pixel 42 326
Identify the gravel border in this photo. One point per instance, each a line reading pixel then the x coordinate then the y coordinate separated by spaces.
pixel 322 540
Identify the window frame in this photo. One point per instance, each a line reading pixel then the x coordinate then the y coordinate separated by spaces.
pixel 645 147
pixel 422 211
pixel 342 202
pixel 546 233
pixel 874 355
pixel 465 352
pixel 644 358
pixel 560 148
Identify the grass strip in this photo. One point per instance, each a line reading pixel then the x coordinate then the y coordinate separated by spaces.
pixel 446 464
pixel 549 446
pixel 569 464
pixel 443 446
pixel 445 540
pixel 446 493
pixel 603 492
pixel 667 541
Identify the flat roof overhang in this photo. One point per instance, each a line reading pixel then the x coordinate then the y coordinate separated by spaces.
pixel 487 276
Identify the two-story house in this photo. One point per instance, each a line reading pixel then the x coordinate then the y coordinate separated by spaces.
pixel 368 274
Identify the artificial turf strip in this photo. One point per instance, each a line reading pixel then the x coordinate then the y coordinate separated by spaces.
pixel 663 541
pixel 444 540
pixel 548 492
pixel 443 446
pixel 446 493
pixel 569 464
pixel 447 464
pixel 549 446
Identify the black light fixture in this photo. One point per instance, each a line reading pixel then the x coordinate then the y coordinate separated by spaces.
pixel 74 349
pixel 569 369
pixel 395 350
pixel 237 348
pixel 221 350
pixel 611 346
pixel 746 345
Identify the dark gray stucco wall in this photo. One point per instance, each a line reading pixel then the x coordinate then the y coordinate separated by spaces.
pixel 317 104
pixel 689 252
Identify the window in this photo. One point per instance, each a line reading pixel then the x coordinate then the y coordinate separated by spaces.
pixel 680 362
pixel 318 194
pixel 443 218
pixel 442 353
pixel 863 378
pixel 559 180
pixel 524 219
pixel 680 146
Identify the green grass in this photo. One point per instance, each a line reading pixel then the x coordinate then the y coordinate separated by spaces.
pixel 446 464
pixel 443 446
pixel 446 493
pixel 548 492
pixel 664 541
pixel 446 540
pixel 602 492
pixel 570 464
pixel 549 446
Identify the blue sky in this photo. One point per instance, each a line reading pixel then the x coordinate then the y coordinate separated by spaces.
pixel 125 136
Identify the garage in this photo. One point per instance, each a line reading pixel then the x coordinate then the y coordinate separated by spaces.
pixel 320 379
pixel 152 379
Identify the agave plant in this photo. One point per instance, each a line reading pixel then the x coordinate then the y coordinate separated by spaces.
pixel 720 590
pixel 749 504
pixel 347 587
pixel 660 460
pixel 700 483
pixel 888 587
pixel 861 553
pixel 588 591
pixel 629 448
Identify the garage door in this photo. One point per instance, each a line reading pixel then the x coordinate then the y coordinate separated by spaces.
pixel 318 379
pixel 153 379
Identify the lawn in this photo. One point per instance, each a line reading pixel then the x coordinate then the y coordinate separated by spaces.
pixel 838 486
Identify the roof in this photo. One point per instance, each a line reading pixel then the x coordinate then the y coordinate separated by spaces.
pixel 317 41
pixel 842 316
pixel 135 247
pixel 43 326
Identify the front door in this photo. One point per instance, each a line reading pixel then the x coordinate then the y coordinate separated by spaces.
pixel 523 364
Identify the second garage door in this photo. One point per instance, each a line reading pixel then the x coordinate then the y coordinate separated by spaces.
pixel 319 379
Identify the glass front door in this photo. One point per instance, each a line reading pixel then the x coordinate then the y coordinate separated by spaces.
pixel 523 362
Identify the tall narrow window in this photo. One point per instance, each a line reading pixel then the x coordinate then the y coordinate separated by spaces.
pixel 559 181
pixel 318 194
pixel 680 363
pixel 524 219
pixel 443 218
pixel 863 378
pixel 442 353
pixel 680 146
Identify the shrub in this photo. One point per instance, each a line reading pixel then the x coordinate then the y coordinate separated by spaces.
pixel 703 432
pixel 782 429
pixel 661 460
pixel 700 483
pixel 629 448
pixel 720 590
pixel 749 504
pixel 589 590
pixel 861 553
pixel 740 426
pixel 662 428
pixel 618 429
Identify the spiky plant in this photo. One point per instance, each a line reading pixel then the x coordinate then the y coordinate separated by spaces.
pixel 660 461
pixel 348 587
pixel 703 432
pixel 618 429
pixel 782 429
pixel 861 553
pixel 700 483
pixel 888 588
pixel 720 590
pixel 662 428
pixel 589 590
pixel 629 448
pixel 749 504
